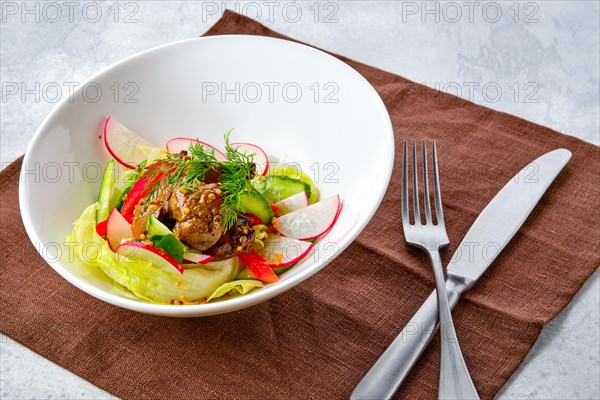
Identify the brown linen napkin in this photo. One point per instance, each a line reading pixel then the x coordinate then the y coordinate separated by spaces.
pixel 317 340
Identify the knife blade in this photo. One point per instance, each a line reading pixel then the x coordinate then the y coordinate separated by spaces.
pixel 504 215
pixel 489 234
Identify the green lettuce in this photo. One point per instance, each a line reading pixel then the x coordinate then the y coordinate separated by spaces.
pixel 84 241
pixel 141 277
pixel 236 287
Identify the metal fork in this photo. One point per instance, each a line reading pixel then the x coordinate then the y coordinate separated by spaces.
pixel 455 381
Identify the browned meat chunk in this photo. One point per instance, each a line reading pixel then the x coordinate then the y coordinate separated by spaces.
pixel 159 208
pixel 236 240
pixel 198 222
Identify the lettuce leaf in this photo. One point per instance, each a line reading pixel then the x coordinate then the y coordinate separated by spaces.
pixel 236 287
pixel 142 278
pixel 83 240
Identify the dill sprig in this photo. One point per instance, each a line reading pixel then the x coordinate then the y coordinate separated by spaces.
pixel 189 172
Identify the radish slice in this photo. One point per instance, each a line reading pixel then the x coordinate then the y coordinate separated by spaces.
pixel 292 203
pixel 310 222
pixel 281 251
pixel 260 157
pixel 146 252
pixel 117 229
pixel 176 145
pixel 123 144
pixel 197 257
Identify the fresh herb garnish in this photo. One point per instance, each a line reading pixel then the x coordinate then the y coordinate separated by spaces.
pixel 189 172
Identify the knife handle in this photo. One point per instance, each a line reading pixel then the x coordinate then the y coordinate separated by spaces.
pixel 388 373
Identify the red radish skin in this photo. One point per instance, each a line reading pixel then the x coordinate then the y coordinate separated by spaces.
pixel 310 222
pixel 110 126
pixel 176 145
pixel 146 252
pixel 260 157
pixel 117 229
pixel 281 245
pixel 197 258
pixel 258 267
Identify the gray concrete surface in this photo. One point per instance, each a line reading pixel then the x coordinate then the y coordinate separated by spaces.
pixel 538 60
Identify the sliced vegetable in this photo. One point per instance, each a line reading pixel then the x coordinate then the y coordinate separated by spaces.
pixel 101 228
pixel 123 144
pixel 236 287
pixel 258 267
pixel 155 227
pixel 276 188
pixel 246 274
pixel 310 222
pixel 117 229
pixel 252 202
pixel 105 193
pixel 294 173
pixel 260 157
pixel 281 251
pixel 197 257
pixel 146 252
pixel 163 238
pixel 176 145
pixel 126 189
pixel 138 192
pixel 292 203
pixel 281 270
pixel 170 244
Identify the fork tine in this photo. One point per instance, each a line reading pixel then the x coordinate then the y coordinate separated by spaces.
pixel 405 219
pixel 426 203
pixel 436 188
pixel 417 213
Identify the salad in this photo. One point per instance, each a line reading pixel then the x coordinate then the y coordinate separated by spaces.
pixel 189 223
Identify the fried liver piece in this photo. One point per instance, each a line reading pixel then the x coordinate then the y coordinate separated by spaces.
pixel 196 215
pixel 237 239
pixel 158 207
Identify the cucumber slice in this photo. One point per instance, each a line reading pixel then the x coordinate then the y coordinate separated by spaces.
pixel 105 193
pixel 155 227
pixel 170 244
pixel 276 188
pixel 163 238
pixel 121 198
pixel 246 274
pixel 294 173
pixel 252 202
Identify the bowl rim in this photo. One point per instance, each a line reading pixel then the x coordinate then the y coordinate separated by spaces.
pixel 236 303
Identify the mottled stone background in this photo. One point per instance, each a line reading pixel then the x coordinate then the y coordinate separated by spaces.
pixel 535 59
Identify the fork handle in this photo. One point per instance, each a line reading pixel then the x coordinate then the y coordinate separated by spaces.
pixel 455 380
pixel 388 373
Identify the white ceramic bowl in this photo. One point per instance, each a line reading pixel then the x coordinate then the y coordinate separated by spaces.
pixel 313 109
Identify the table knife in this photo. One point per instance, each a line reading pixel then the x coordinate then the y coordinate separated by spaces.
pixel 489 234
